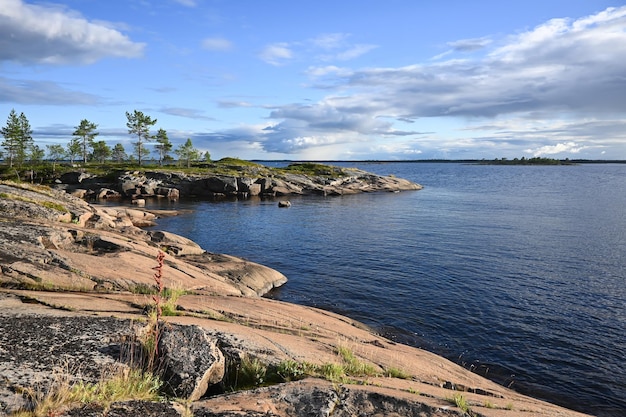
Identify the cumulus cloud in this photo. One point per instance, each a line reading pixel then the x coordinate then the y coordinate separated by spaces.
pixel 41 34
pixel 217 44
pixel 564 69
pixel 569 147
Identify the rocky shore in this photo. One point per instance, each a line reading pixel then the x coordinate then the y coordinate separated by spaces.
pixel 241 181
pixel 77 288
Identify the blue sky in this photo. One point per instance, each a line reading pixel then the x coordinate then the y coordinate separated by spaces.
pixel 325 80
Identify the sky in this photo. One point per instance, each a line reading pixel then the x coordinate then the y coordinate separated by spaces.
pixel 325 80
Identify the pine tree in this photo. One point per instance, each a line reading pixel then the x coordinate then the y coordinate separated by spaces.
pixel 36 154
pixel 55 154
pixel 85 133
pixel 163 146
pixel 27 148
pixel 11 133
pixel 139 124
pixel 188 153
pixel 119 153
pixel 73 149
pixel 18 139
pixel 101 151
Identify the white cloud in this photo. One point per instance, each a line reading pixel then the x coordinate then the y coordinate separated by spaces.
pixel 330 40
pixel 354 52
pixel 276 54
pixel 51 35
pixel 559 148
pixel 326 47
pixel 554 67
pixel 217 44
pixel 563 70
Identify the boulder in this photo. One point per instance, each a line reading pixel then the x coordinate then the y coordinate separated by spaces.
pixel 141 218
pixel 129 187
pixel 74 177
pixel 265 184
pixel 171 193
pixel 139 202
pixel 222 185
pixel 191 361
pixel 243 184
pixel 254 189
pixel 105 193
pixel 175 244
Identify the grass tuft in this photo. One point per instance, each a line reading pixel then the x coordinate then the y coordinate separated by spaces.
pixel 396 373
pixel 460 401
pixel 124 384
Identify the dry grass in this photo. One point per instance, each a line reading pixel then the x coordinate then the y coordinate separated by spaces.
pixel 64 392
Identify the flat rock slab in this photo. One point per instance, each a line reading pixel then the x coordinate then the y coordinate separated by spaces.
pixel 37 348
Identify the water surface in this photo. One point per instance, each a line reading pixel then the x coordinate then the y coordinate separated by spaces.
pixel 516 272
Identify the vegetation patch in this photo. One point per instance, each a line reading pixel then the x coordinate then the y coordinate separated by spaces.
pixel 460 401
pixel 54 206
pixel 251 372
pixel 315 169
pixel 124 384
pixel 236 162
pixel 47 204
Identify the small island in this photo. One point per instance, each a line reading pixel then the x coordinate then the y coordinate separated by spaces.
pixel 228 177
pixel 527 161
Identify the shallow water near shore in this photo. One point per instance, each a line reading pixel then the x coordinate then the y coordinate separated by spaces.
pixel 516 272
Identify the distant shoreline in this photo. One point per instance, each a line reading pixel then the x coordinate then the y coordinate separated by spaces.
pixel 454 161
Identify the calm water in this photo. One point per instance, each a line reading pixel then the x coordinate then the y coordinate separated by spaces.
pixel 514 272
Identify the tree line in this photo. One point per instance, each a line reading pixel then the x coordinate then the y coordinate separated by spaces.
pixel 20 148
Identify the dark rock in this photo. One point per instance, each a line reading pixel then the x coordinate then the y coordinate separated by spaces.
pixel 191 361
pixel 265 184
pixel 318 399
pixel 222 185
pixel 125 409
pixel 74 177
pixel 34 349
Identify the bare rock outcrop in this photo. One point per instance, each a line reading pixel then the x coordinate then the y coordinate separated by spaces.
pixel 260 181
pixel 52 240
pixel 190 361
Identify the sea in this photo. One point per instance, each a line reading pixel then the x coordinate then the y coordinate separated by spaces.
pixel 517 273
